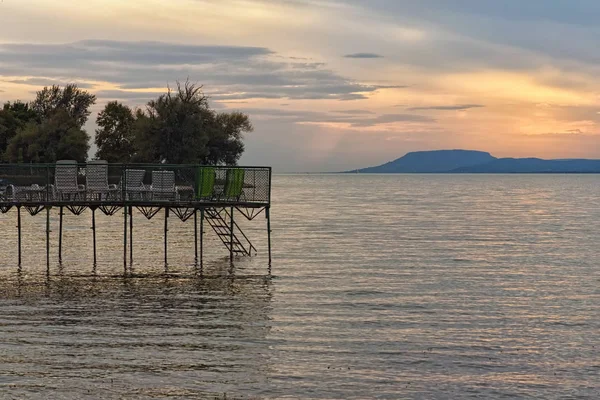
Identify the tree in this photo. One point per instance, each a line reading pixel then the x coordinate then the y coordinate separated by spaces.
pixel 58 137
pixel 180 127
pixel 13 117
pixel 146 138
pixel 74 101
pixel 52 126
pixel 115 136
pixel 176 129
pixel 225 143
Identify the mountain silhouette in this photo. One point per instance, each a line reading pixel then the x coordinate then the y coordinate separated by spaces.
pixel 432 161
pixel 471 161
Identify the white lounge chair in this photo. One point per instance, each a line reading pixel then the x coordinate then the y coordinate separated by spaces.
pixel 134 184
pixel 96 181
pixel 65 181
pixel 163 185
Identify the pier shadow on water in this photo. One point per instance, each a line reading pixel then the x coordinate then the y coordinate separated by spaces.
pixel 173 335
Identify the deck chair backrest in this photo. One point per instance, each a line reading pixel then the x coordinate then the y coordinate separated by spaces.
pixel 205 182
pixel 234 183
pixel 134 178
pixel 65 175
pixel 96 175
pixel 163 181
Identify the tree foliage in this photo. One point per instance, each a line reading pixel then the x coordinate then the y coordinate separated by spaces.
pixel 74 101
pixel 58 137
pixel 115 136
pixel 178 127
pixel 13 117
pixel 225 144
pixel 47 129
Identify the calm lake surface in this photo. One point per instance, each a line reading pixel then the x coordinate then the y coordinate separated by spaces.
pixel 399 286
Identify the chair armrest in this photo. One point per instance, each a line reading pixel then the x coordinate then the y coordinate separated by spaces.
pixel 10 192
pixel 52 191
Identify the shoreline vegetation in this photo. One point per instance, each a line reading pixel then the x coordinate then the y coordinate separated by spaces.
pixel 178 127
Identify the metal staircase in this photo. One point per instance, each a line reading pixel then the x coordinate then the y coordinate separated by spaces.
pixel 220 221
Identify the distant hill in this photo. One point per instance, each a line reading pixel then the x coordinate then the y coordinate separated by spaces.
pixel 469 161
pixel 432 161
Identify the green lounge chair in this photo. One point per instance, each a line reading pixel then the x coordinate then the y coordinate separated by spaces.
pixel 205 183
pixel 234 184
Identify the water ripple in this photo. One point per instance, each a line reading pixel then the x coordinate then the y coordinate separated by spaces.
pixel 400 286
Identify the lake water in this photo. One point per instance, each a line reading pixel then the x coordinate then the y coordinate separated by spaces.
pixel 399 286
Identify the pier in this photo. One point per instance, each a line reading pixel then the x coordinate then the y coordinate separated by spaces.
pixel 211 197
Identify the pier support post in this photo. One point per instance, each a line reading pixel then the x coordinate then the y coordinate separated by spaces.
pixel 231 236
pixel 125 238
pixel 60 230
pixel 19 231
pixel 201 236
pixel 48 239
pixel 130 236
pixel 268 214
pixel 94 232
pixel 196 235
pixel 166 230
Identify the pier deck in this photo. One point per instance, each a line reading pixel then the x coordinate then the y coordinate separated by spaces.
pixel 213 192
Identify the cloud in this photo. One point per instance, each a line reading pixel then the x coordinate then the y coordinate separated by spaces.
pixel 458 107
pixel 469 34
pixel 293 115
pixel 353 112
pixel 127 95
pixel 391 118
pixel 576 115
pixel 112 51
pixel 355 120
pixel 309 91
pixel 49 82
pixel 225 97
pixel 392 86
pixel 571 133
pixel 228 72
pixel 587 11
pixel 363 55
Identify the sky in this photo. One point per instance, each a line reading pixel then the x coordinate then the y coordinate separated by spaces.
pixel 332 85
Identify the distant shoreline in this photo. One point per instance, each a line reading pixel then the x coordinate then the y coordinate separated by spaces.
pixel 470 173
pixel 440 173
